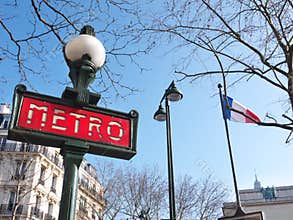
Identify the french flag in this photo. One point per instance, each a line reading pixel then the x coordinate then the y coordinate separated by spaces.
pixel 235 116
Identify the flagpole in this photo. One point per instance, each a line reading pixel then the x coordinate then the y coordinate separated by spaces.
pixel 238 203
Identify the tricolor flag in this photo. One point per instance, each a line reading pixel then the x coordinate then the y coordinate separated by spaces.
pixel 235 116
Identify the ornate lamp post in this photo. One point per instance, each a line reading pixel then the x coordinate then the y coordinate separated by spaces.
pixel 84 55
pixel 171 94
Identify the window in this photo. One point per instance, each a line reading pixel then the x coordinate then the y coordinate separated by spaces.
pixel 94 214
pixel 23 169
pixel 84 182
pixel 54 183
pixel 50 209
pixel 82 203
pixel 11 202
pixel 20 170
pixel 3 122
pixel 38 201
pixel 17 169
pixel 5 125
pixel 2 144
pixel 36 209
pixel 3 141
pixel 42 175
pixel 56 158
pixel 23 147
pixel 1 119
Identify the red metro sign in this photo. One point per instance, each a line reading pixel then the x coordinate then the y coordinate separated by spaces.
pixel 52 121
pixel 72 122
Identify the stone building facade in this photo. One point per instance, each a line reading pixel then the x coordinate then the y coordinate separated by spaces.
pixel 31 178
pixel 276 203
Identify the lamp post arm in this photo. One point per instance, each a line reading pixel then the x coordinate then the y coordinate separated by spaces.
pixel 163 97
pixel 169 87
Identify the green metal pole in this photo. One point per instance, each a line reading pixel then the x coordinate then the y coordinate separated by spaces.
pixel 72 153
pixel 172 208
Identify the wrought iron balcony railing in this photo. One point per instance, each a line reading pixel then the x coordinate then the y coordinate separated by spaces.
pixel 83 209
pixel 7 209
pixel 91 190
pixel 49 217
pixel 36 212
pixel 17 147
pixel 18 177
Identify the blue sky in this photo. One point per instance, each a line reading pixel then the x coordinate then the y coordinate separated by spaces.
pixel 198 135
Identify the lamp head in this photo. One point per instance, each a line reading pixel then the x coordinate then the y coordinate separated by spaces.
pixel 85 55
pixel 160 114
pixel 85 44
pixel 172 93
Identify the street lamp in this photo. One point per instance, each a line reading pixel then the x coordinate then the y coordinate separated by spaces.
pixel 74 123
pixel 85 55
pixel 171 94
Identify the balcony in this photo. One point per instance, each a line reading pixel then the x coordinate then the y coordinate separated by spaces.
pixel 92 191
pixel 83 209
pixel 7 209
pixel 90 170
pixel 18 177
pixel 36 212
pixel 3 132
pixel 10 147
pixel 49 217
pixel 84 184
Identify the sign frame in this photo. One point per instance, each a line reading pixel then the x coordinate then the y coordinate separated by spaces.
pixel 56 140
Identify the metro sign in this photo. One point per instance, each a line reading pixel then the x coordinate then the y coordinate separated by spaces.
pixel 72 122
pixel 51 121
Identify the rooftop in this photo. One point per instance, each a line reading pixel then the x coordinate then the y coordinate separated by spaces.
pixel 5 108
pixel 264 196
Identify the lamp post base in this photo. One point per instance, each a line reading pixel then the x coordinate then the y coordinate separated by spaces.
pixel 72 153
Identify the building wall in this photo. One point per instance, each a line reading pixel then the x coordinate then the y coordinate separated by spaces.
pixel 89 192
pixel 41 186
pixel 282 211
pixel 276 203
pixel 32 184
